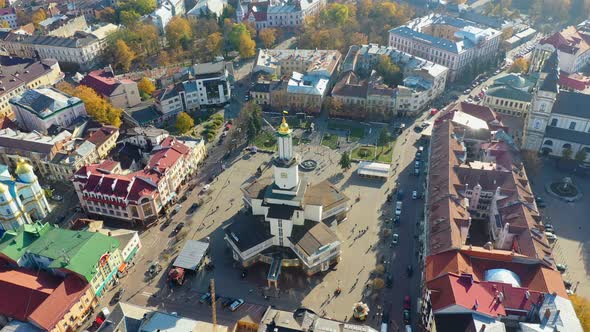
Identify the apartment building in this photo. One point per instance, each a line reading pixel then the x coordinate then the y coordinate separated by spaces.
pixel 19 74
pixel 83 50
pixel 452 42
pixel 277 13
pixel 105 190
pixel 510 94
pixel 209 84
pixel 572 46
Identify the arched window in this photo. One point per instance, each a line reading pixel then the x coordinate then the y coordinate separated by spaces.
pixel 548 142
pixel 567 146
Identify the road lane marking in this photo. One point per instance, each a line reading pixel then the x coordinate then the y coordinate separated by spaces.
pixel 148 294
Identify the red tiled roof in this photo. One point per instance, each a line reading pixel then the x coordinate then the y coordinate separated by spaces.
pixel 53 309
pixel 98 137
pixel 6 123
pixel 455 290
pixel 23 291
pixel 568 40
pixel 103 82
pixel 258 9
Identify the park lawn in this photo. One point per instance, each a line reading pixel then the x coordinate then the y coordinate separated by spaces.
pixel 356 153
pixel 385 153
pixel 266 141
pixel 355 132
pixel 330 141
pixel 375 153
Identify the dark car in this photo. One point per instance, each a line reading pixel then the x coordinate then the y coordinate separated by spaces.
pixel 210 299
pixel 226 303
pixel 400 195
pixel 409 270
pixel 166 223
pixel 407 317
pixel 244 273
pixel 389 281
pixel 205 298
pixel 192 208
pixel 178 227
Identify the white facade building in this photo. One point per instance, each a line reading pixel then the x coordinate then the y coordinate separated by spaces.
pixel 39 109
pixel 22 199
pixel 451 42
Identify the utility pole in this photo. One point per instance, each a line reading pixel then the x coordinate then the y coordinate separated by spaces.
pixel 213 307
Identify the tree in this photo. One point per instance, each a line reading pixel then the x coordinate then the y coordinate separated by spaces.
pixel 391 72
pixel 107 15
pixel 146 87
pixel 97 107
pixel 123 55
pixel 128 17
pixel 2 3
pixel 247 47
pixel 184 122
pixel 144 7
pixel 520 65
pixel 345 162
pixel 65 87
pixel 582 308
pixel 567 153
pixel 179 33
pixel 163 59
pixel 378 283
pixel 267 36
pixel 358 38
pixel 38 16
pixel 249 121
pixel 581 155
pixel 384 137
pixel 335 14
pixel 235 35
pixel 531 161
pixel 214 43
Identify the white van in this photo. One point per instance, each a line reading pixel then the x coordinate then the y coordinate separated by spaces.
pixel 236 304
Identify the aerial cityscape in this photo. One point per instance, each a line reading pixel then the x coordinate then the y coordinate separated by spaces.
pixel 294 165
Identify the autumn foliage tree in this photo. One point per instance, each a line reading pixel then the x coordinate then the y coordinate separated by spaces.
pixel 184 122
pixel 38 16
pixel 179 33
pixel 123 55
pixel 96 106
pixel 582 308
pixel 520 65
pixel 267 36
pixel 247 48
pixel 146 87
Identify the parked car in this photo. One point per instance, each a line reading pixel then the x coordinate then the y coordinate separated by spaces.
pixel 561 267
pixel 549 228
pixel 244 273
pixel 206 187
pixel 205 297
pixel 210 299
pixel 551 237
pixel 237 303
pixel 395 238
pixel 177 208
pixel 227 302
pixel 389 281
pixel 178 227
pixel 154 269
pixel 192 208
pixel 57 198
pixel 409 270
pixel 118 295
pixel 400 194
pixel 415 195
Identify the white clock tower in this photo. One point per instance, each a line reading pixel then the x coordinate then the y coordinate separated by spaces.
pixel 286 173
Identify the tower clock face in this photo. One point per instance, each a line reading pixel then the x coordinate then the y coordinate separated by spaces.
pixel 283 175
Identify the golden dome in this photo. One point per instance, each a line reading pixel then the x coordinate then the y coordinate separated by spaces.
pixel 284 127
pixel 23 167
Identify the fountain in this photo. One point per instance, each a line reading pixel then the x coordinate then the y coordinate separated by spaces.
pixel 308 165
pixel 565 189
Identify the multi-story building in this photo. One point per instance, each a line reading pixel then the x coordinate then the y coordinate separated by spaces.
pixel 558 120
pixel 83 50
pixel 572 46
pixel 39 109
pixel 8 15
pixel 209 84
pixel 454 43
pixel 63 25
pixel 423 81
pixel 42 301
pixel 21 197
pixel 122 93
pixel 92 256
pixel 277 13
pixel 289 214
pixel 206 7
pixel 510 94
pixel 19 74
pixel 308 76
pixel 488 262
pixel 104 140
pixel 105 190
pixel 166 10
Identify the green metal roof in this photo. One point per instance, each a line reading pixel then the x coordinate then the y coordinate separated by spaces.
pixel 507 92
pixel 77 251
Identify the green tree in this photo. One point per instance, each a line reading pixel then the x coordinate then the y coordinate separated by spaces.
pixel 179 33
pixel 247 47
pixel 144 7
pixel 235 35
pixel 581 155
pixel 146 87
pixel 335 14
pixel 184 122
pixel 567 153
pixel 249 121
pixel 128 17
pixel 123 55
pixel 106 15
pixel 390 72
pixel 345 161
